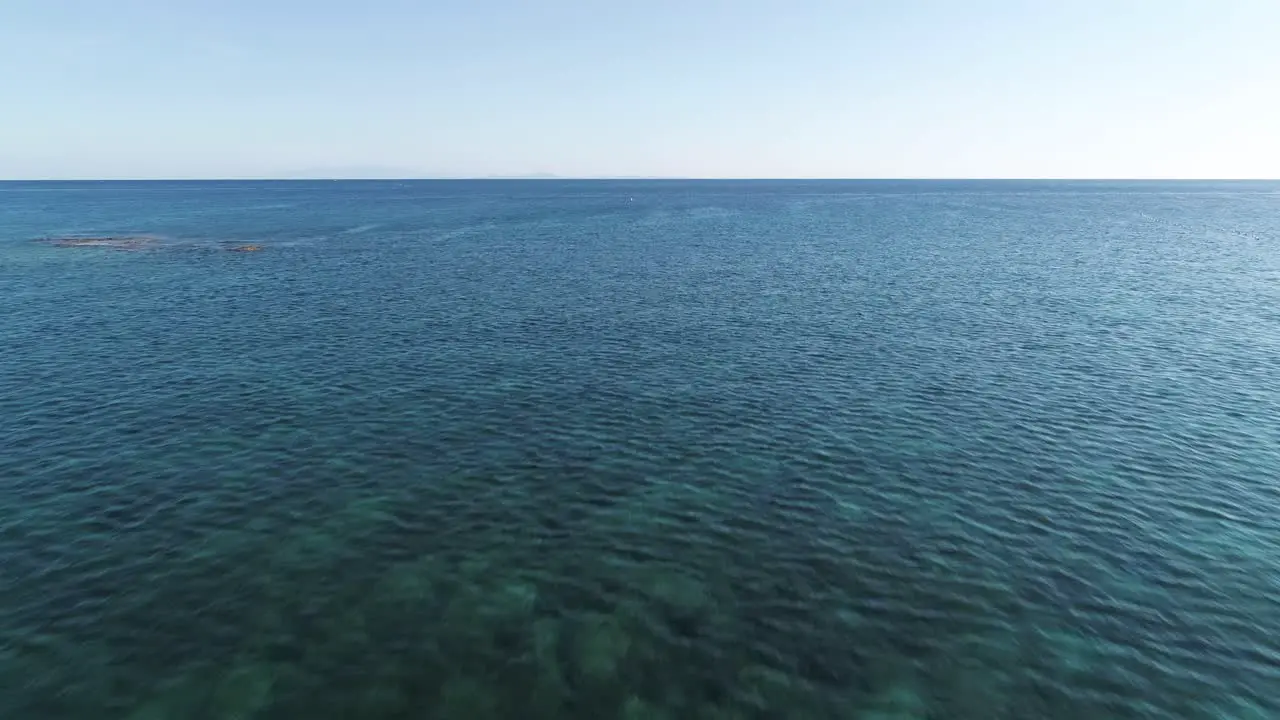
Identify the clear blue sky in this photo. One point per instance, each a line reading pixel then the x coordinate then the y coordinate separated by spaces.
pixel 694 88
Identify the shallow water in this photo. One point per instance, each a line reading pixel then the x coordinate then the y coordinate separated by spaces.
pixel 640 450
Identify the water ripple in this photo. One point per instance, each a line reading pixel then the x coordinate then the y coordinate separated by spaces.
pixel 743 451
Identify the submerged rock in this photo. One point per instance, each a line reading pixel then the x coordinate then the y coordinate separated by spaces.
pixel 243 692
pixel 677 593
pixel 602 644
pixel 546 642
pixel 761 689
pixel 140 242
pixel 900 701
pixel 549 694
pixel 113 242
pixel 240 693
pixel 513 601
pixel 765 689
pixel 415 582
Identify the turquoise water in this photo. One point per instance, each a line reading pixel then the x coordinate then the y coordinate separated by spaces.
pixel 641 450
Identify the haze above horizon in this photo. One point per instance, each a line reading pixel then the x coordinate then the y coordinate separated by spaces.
pixel 754 89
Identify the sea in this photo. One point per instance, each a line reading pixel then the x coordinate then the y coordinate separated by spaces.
pixel 722 450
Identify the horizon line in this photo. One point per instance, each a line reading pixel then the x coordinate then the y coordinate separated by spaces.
pixel 647 178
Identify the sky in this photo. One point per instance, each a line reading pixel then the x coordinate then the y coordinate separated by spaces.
pixel 649 88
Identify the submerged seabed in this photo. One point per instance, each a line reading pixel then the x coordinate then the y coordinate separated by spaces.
pixel 618 617
pixel 641 450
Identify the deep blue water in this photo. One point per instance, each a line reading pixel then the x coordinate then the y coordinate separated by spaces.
pixel 641 450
